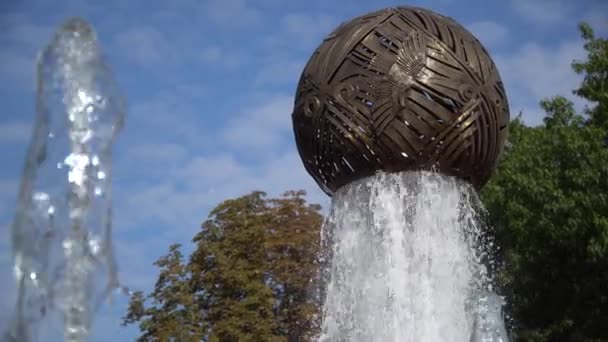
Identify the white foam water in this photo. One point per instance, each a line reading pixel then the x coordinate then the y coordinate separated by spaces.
pixel 408 262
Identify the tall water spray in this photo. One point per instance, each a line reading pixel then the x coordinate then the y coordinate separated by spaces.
pixel 409 262
pixel 61 235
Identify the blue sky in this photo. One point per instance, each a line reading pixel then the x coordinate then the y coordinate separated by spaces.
pixel 210 85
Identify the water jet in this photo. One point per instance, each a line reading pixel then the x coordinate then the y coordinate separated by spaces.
pixel 62 232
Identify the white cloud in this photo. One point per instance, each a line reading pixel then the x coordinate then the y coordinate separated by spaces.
pixel 15 132
pixel 17 68
pixel 542 11
pixel 230 14
pixel 135 258
pixel 8 191
pixel 24 39
pixel 157 153
pixel 174 109
pixel 218 56
pixel 211 54
pixel 307 28
pixel 300 31
pixel 214 170
pixel 279 73
pixel 24 33
pixel 182 183
pixel 260 127
pixel 490 33
pixel 288 173
pixel 146 46
pixel 189 90
pixel 534 72
pixel 598 19
pixel 182 199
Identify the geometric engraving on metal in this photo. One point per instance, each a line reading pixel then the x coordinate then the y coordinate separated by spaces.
pixel 395 90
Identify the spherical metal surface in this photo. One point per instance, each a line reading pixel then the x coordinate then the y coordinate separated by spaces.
pixel 396 90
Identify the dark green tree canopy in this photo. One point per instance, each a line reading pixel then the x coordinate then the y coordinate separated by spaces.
pixel 594 87
pixel 549 203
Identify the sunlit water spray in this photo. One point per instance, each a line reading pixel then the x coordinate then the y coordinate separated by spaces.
pixel 409 262
pixel 61 235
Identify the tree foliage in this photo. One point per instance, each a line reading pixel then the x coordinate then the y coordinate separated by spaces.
pixel 595 71
pixel 174 312
pixel 549 203
pixel 249 278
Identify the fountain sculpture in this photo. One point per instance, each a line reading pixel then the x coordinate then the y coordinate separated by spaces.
pixel 395 90
pixel 401 116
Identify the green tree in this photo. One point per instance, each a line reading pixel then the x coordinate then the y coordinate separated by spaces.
pixel 174 313
pixel 247 280
pixel 549 203
pixel 293 248
pixel 595 70
pixel 230 270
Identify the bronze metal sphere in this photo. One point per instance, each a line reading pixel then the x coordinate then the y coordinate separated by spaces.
pixel 395 90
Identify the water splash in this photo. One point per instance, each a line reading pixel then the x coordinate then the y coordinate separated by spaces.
pixel 62 231
pixel 409 262
pixel 489 323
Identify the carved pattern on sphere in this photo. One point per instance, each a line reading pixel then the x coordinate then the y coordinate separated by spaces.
pixel 400 89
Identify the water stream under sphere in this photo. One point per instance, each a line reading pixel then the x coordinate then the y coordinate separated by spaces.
pixel 409 261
